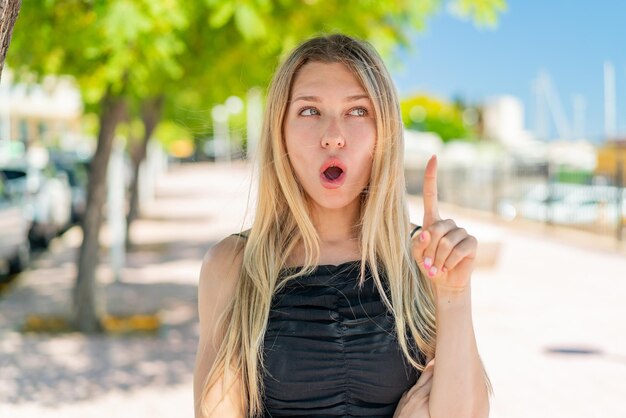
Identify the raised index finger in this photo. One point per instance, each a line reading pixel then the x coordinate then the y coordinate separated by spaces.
pixel 431 209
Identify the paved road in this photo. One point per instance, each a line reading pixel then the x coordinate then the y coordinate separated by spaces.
pixel 544 303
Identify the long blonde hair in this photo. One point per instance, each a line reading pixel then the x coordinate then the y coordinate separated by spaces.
pixel 282 221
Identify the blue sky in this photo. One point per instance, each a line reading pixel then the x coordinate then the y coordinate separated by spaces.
pixel 570 40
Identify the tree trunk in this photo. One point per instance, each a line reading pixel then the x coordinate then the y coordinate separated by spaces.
pixel 9 10
pixel 85 293
pixel 150 116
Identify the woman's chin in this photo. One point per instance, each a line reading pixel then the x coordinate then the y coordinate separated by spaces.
pixel 337 201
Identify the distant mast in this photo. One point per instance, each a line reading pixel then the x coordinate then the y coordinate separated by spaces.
pixel 541 114
pixel 610 127
pixel 547 100
pixel 580 107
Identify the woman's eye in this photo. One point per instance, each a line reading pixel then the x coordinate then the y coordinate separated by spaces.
pixel 358 111
pixel 309 111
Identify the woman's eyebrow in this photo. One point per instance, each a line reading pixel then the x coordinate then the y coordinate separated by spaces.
pixel 307 99
pixel 357 97
pixel 318 99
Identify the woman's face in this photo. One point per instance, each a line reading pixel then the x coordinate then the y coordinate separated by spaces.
pixel 330 133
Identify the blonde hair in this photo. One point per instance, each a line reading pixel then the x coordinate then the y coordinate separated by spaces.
pixel 282 221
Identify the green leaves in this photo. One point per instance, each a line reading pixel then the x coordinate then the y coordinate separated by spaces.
pixel 131 46
pixel 483 12
pixel 249 23
pixel 249 17
pixel 123 23
pixel 222 14
pixel 198 53
pixel 429 114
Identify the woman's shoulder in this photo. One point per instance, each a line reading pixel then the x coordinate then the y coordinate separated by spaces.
pixel 219 276
pixel 242 234
pixel 225 250
pixel 222 262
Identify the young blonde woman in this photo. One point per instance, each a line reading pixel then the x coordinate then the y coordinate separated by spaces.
pixel 333 304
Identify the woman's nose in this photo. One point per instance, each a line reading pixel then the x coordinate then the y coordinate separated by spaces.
pixel 333 138
pixel 333 141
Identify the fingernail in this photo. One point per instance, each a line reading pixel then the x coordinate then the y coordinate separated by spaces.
pixel 444 270
pixel 427 262
pixel 422 236
pixel 432 271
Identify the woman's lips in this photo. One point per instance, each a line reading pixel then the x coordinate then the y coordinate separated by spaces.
pixel 332 183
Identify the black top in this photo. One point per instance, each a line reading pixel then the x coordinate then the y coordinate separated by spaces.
pixel 331 350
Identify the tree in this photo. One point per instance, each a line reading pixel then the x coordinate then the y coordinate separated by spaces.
pixel 116 49
pixel 155 58
pixel 9 9
pixel 429 114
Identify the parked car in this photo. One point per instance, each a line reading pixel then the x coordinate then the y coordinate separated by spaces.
pixel 45 196
pixel 76 167
pixel 14 227
pixel 572 204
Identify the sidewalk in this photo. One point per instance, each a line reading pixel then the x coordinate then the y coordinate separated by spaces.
pixel 541 300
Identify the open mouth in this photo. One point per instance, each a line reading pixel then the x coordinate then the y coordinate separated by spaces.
pixel 333 173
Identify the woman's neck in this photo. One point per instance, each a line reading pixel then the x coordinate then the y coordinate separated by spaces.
pixel 338 230
pixel 337 225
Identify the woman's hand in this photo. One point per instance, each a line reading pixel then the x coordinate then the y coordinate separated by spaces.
pixel 444 252
pixel 414 402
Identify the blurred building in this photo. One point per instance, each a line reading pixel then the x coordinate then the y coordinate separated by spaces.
pixel 503 121
pixel 47 113
pixel 612 160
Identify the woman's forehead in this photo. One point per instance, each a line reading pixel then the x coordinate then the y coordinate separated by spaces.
pixel 316 79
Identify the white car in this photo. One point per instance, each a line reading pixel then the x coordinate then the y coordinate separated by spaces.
pixel 14 227
pixel 45 195
pixel 573 204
